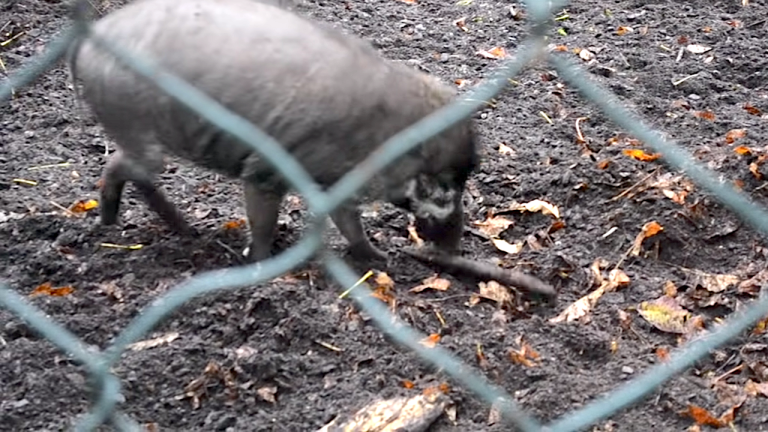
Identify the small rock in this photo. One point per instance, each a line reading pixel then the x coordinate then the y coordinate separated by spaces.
pixel 627 370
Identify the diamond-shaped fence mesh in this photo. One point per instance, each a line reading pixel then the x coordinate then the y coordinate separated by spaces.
pixel 106 386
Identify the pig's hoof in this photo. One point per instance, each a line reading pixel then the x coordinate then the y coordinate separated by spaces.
pixel 258 253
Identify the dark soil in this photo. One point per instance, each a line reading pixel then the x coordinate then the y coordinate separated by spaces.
pixel 268 335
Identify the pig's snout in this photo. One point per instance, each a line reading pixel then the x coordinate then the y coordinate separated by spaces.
pixel 438 209
pixel 442 226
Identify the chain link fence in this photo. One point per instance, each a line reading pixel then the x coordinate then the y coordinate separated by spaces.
pixel 106 386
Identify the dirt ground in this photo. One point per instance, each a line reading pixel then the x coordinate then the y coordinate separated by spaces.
pixel 276 336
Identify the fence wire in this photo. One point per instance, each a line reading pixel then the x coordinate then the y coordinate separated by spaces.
pixel 106 386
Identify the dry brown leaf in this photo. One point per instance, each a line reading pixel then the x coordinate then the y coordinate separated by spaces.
pixel 494 225
pixel 754 389
pixel 536 206
pixel 432 282
pixel 461 23
pixel 706 115
pixel 494 291
pixel 416 413
pixel 267 393
pixel 603 164
pixel 621 31
pixel 414 236
pixel 155 342
pixel 507 247
pixel 752 110
pixel 505 150
pixel 583 306
pixel 650 229
pixel 641 155
pixel 742 150
pixel 712 282
pixel 408 384
pixel 732 135
pixel 670 289
pixel 525 356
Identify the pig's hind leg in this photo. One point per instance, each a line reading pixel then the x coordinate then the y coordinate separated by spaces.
pixel 140 170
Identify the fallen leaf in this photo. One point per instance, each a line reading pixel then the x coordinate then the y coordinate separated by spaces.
pixel 414 235
pixel 431 340
pixel 670 289
pixel 732 135
pixel 460 83
pixel 706 115
pixel 536 206
pixel 560 48
pixel 621 31
pixel 155 342
pixel 432 282
pixel 416 413
pixel 494 291
pixel 641 155
pixel 754 389
pixel 505 150
pixel 712 282
pixel 408 384
pixel 581 307
pixel 507 247
pixel 47 289
pixel 666 314
pixel 650 229
pixel 752 110
pixel 662 353
pixel 525 355
pixel 742 150
pixel 83 206
pixel 586 55
pixel 494 225
pixel 493 53
pixel 267 393
pixel 603 164
pixel 698 49
pixel 462 24
pixel 234 224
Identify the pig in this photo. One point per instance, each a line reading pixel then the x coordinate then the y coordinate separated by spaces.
pixel 328 98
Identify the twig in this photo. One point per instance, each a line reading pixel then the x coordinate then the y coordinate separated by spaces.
pixel 482 270
pixel 634 186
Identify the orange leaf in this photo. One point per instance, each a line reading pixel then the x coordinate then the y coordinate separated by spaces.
pixel 408 384
pixel 641 155
pixel 83 206
pixel 234 224
pixel 621 31
pixel 706 115
pixel 445 388
pixel 702 416
pixel 561 48
pixel 662 354
pixel 734 134
pixel 431 340
pixel 493 53
pixel 603 164
pixel 742 150
pixel 47 289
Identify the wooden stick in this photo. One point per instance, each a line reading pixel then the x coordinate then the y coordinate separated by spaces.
pixel 482 270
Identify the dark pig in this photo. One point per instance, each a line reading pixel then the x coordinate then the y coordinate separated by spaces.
pixel 328 98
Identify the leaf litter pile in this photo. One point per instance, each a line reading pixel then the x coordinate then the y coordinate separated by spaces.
pixel 585 259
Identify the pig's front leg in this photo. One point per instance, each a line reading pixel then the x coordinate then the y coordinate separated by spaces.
pixel 262 207
pixel 347 219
